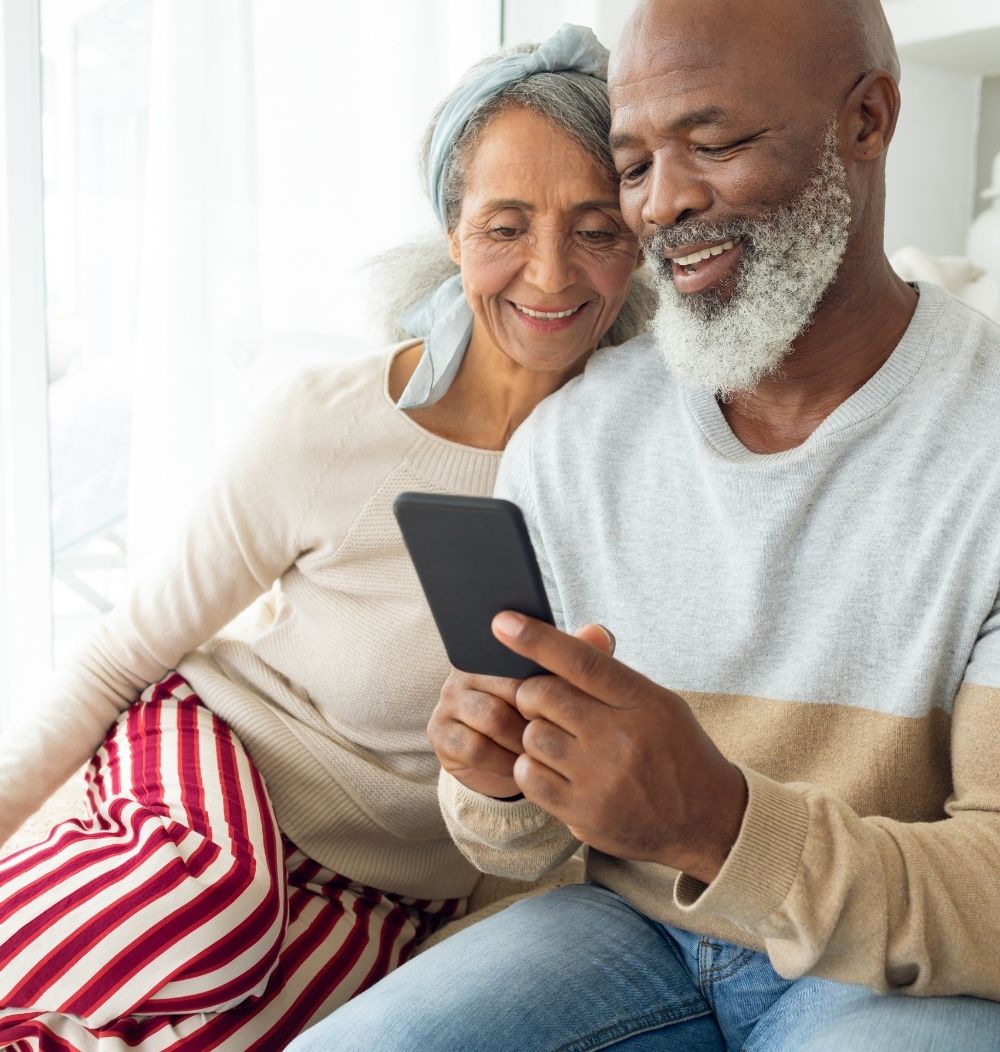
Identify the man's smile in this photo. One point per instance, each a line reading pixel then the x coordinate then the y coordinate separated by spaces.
pixel 701 267
pixel 698 254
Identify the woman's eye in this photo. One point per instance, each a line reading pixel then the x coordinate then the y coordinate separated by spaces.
pixel 505 233
pixel 597 236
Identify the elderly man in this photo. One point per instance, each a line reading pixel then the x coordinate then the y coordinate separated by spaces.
pixel 785 505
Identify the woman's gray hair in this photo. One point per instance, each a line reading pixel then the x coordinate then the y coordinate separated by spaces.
pixel 575 103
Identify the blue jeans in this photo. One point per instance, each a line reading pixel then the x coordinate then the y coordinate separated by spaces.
pixel 579 969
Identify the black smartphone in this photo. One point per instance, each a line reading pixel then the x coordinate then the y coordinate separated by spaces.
pixel 474 558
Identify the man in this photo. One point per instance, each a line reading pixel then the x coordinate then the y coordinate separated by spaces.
pixel 788 777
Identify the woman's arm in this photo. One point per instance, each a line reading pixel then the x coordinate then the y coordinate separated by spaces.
pixel 243 533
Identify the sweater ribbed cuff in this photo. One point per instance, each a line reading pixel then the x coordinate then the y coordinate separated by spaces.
pixel 764 862
pixel 498 823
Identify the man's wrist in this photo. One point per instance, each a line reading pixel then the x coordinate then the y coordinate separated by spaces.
pixel 706 859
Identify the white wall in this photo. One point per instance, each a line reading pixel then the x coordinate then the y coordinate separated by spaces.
pixel 933 161
pixel 989 139
pixel 538 19
pixel 931 174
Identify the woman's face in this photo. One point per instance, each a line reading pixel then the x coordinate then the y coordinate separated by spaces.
pixel 545 256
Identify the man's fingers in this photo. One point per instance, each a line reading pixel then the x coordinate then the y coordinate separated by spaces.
pixel 597 636
pixel 501 787
pixel 495 719
pixel 458 745
pixel 542 785
pixel 550 744
pixel 553 699
pixel 458 682
pixel 572 659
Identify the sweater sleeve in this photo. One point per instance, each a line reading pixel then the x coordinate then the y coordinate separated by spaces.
pixel 892 905
pixel 242 535
pixel 515 839
pixel 508 838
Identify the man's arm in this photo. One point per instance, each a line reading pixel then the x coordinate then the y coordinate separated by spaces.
pixel 908 906
pixel 895 906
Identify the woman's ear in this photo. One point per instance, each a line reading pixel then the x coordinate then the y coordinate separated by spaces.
pixel 455 247
pixel 872 109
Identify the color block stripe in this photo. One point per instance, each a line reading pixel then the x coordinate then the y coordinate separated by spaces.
pixel 877 762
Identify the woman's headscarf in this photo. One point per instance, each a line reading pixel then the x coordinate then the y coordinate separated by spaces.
pixel 443 318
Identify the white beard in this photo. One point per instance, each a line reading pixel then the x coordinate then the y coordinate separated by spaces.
pixel 790 258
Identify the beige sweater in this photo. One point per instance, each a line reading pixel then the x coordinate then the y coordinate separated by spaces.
pixel 330 677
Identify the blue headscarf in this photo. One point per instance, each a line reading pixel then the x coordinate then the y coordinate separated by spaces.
pixel 443 317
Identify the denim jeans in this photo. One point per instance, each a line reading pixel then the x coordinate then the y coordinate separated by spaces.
pixel 579 969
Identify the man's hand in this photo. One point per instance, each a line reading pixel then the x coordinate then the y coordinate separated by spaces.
pixel 476 729
pixel 620 760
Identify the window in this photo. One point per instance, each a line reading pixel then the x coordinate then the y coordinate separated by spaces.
pixel 215 175
pixel 95 112
pixel 24 534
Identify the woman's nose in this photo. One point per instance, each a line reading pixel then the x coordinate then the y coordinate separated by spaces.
pixel 674 193
pixel 549 266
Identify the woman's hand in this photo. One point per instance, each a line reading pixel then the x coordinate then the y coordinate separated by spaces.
pixel 476 729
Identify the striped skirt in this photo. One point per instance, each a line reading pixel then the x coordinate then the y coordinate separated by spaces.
pixel 175 915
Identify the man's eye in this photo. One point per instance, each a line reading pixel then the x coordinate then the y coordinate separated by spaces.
pixel 635 173
pixel 715 151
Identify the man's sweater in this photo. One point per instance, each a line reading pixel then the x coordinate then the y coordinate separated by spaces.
pixel 331 677
pixel 830 613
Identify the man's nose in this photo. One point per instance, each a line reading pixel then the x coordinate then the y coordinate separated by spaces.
pixel 549 266
pixel 675 193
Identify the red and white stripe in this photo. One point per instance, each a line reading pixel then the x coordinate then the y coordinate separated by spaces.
pixel 174 915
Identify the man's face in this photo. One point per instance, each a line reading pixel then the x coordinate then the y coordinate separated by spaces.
pixel 731 176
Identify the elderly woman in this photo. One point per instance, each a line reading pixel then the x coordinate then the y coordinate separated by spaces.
pixel 262 837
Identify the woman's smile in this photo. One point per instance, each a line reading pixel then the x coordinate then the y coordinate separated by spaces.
pixel 549 319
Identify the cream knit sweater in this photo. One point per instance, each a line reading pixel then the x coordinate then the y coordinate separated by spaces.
pixel 330 677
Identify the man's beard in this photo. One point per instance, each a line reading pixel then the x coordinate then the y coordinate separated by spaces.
pixel 790 258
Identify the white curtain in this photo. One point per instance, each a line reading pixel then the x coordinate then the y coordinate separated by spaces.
pixel 198 287
pixel 282 155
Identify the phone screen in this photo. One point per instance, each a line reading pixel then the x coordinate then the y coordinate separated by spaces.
pixel 474 558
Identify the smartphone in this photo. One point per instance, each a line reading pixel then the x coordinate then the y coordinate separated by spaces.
pixel 474 558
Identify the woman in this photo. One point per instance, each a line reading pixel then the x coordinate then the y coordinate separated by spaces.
pixel 262 838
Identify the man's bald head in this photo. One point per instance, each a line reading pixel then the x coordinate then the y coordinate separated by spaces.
pixel 866 32
pixel 819 42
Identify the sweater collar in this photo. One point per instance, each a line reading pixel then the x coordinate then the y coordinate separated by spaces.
pixel 879 391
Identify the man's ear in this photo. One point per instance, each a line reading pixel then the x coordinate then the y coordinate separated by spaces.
pixel 871 112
